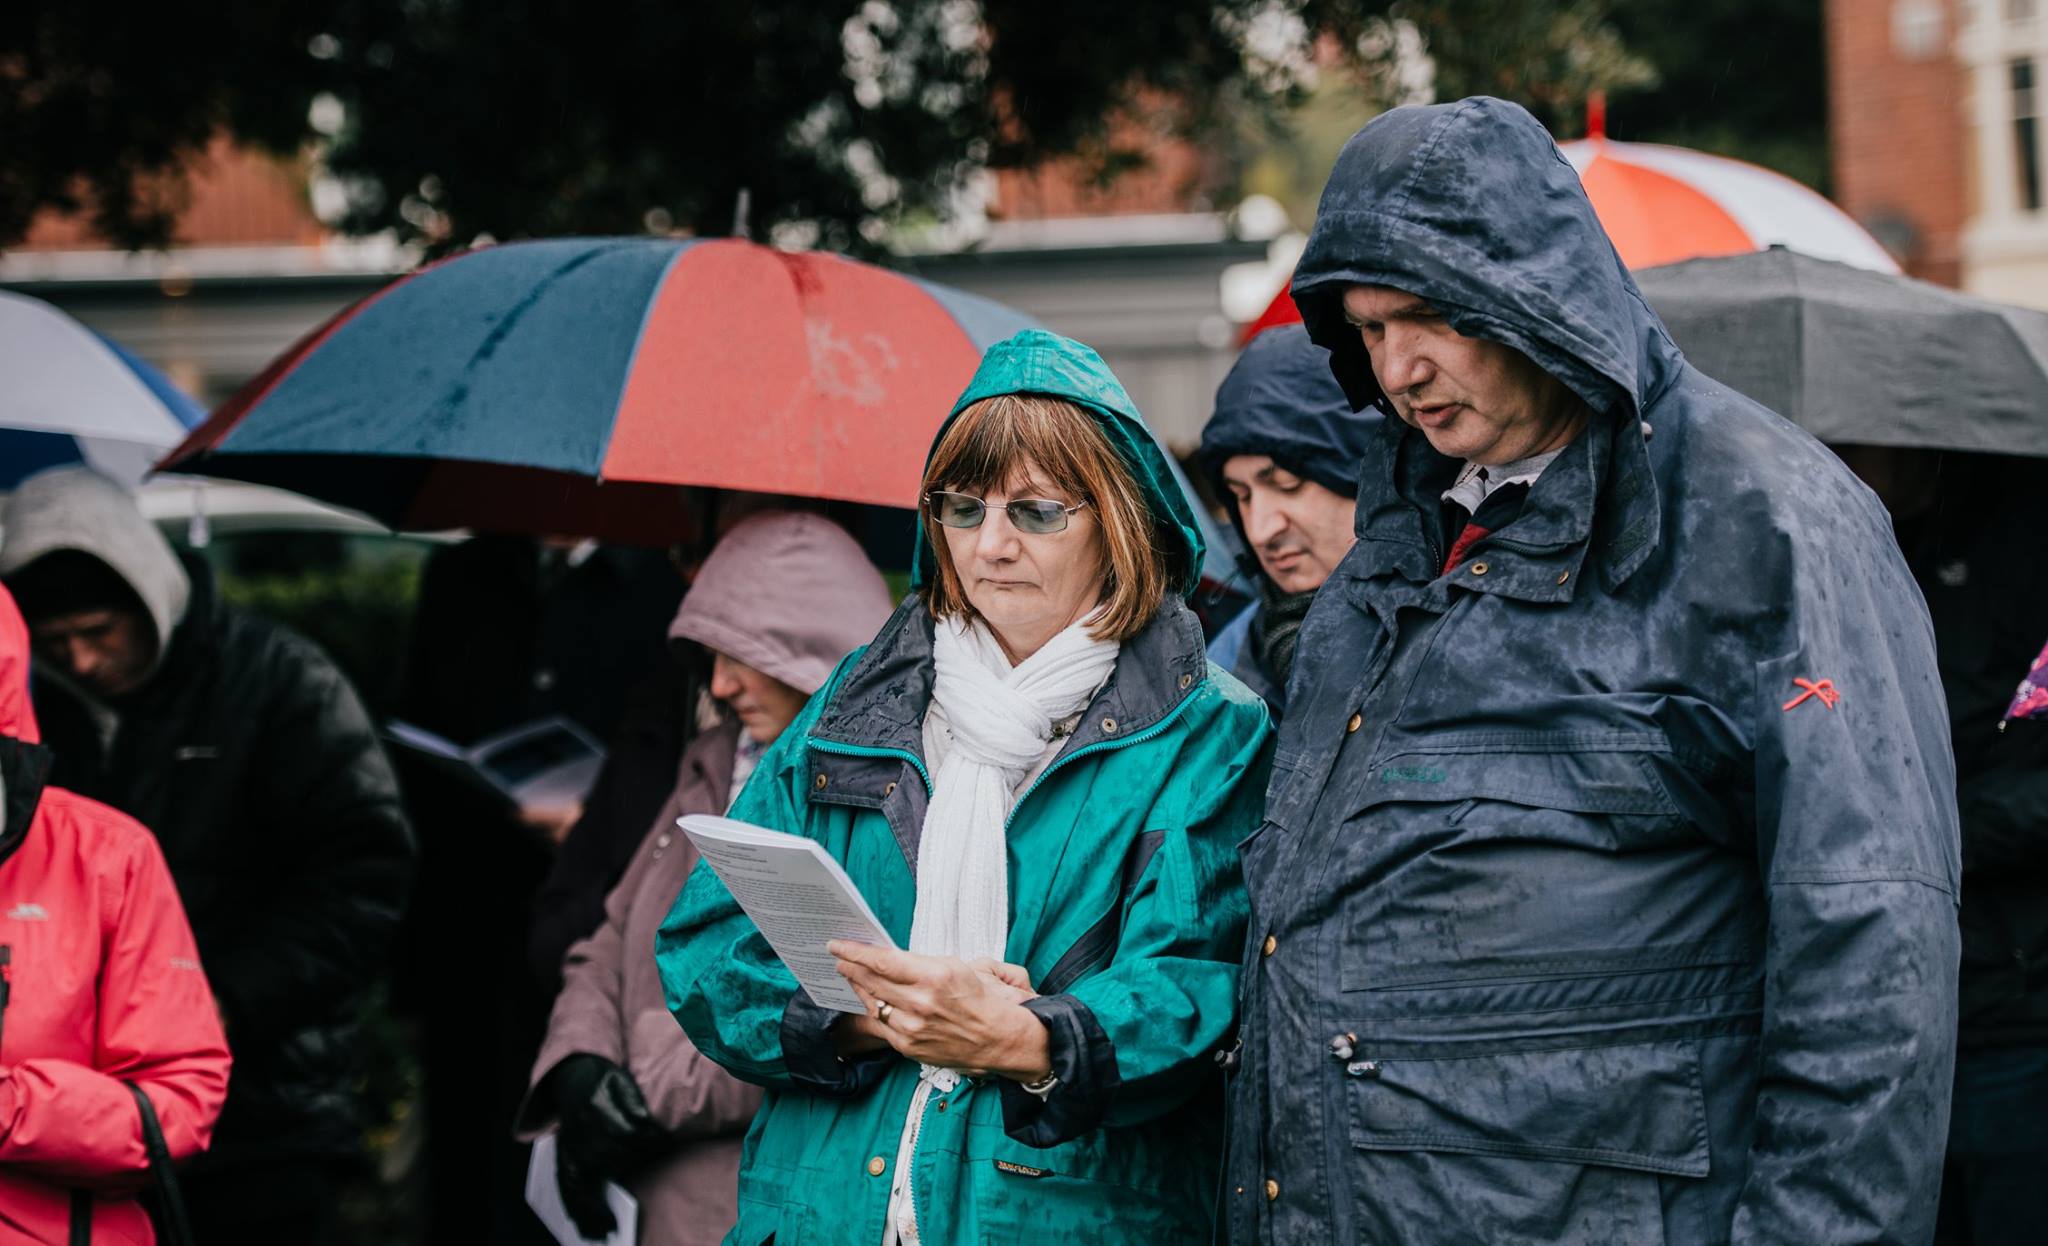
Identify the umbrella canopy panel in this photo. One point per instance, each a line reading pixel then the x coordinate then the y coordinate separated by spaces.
pixel 74 396
pixel 833 387
pixel 1664 204
pixel 1862 358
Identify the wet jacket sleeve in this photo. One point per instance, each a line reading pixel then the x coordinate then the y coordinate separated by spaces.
pixel 318 930
pixel 157 1028
pixel 1133 1041
pixel 735 999
pixel 1857 847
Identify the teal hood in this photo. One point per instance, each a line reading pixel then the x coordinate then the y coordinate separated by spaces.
pixel 1038 362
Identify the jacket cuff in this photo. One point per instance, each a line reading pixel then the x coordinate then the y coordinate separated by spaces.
pixel 1083 1059
pixel 813 1061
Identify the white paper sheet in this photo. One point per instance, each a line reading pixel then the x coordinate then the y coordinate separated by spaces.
pixel 545 1197
pixel 797 895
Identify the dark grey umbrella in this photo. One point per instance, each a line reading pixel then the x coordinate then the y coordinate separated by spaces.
pixel 1858 357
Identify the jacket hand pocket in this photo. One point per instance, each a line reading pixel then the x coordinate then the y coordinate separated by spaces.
pixel 1493 860
pixel 1570 1145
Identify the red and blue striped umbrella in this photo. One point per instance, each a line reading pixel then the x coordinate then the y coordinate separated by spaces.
pixel 568 386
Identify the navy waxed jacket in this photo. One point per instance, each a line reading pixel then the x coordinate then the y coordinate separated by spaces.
pixel 1578 916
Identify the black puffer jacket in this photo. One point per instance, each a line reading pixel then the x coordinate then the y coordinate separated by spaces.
pixel 256 765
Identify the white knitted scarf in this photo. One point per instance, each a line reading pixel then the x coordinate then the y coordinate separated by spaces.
pixel 1001 718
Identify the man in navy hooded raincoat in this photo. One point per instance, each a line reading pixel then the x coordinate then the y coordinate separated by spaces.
pixel 1608 887
pixel 1282 451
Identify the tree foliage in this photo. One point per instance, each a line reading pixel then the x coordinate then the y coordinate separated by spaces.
pixel 1737 77
pixel 443 120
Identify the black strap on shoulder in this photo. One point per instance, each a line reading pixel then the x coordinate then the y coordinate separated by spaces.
pixel 176 1229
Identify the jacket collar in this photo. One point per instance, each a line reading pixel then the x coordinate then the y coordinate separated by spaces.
pixel 882 701
pixel 27 771
pixel 1597 500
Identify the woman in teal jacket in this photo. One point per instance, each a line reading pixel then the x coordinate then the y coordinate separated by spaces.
pixel 1038 782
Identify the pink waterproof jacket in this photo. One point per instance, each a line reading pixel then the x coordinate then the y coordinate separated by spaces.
pixel 103 987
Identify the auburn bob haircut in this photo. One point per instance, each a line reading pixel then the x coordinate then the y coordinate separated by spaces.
pixel 987 447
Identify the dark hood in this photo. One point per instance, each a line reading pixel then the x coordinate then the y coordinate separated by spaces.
pixel 1472 207
pixel 1281 400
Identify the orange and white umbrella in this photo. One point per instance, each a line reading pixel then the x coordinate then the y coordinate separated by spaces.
pixel 1664 204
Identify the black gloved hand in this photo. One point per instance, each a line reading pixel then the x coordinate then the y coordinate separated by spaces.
pixel 583 1197
pixel 606 1133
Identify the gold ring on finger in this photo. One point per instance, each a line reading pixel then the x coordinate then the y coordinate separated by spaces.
pixel 882 1010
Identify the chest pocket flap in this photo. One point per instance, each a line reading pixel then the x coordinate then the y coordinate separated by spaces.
pixel 1583 772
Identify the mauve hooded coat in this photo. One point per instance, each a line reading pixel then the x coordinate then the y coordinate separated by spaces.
pixel 789 594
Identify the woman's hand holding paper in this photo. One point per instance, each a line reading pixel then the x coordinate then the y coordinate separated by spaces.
pixel 945 1011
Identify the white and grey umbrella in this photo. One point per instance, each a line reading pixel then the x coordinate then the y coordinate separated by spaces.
pixel 69 395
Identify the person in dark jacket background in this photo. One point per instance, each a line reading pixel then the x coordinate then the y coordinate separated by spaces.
pixel 247 754
pixel 1971 529
pixel 1607 890
pixel 509 630
pixel 1282 450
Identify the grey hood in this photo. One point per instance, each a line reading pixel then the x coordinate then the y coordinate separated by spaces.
pixel 76 508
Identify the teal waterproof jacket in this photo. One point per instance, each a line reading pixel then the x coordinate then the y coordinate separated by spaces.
pixel 1127 907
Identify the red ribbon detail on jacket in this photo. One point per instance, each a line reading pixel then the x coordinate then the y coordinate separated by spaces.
pixel 1824 690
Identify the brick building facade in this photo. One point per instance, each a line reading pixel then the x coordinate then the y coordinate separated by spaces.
pixel 1936 140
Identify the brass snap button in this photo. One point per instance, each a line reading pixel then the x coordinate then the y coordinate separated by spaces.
pixel 1478 568
pixel 1109 726
pixel 1272 944
pixel 820 784
pixel 889 789
pixel 1357 720
pixel 1272 1189
pixel 1562 576
pixel 1185 681
pixel 876 1166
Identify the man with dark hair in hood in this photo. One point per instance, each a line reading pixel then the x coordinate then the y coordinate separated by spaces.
pixel 1282 451
pixel 1607 890
pixel 247 754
